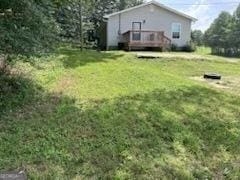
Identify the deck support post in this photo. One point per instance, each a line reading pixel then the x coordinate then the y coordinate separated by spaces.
pixel 129 48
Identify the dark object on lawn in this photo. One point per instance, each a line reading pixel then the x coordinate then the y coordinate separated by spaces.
pixel 212 76
pixel 148 55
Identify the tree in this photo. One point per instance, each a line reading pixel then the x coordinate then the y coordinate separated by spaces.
pixel 218 35
pixel 104 7
pixel 197 37
pixel 32 26
pixel 73 17
pixel 123 4
pixel 235 35
pixel 26 26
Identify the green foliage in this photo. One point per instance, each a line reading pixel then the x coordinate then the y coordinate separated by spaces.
pixel 31 26
pixel 104 7
pixel 174 47
pixel 26 26
pixel 14 91
pixel 223 34
pixel 198 37
pixel 68 16
pixel 218 33
pixel 189 47
pixel 203 50
pixel 90 115
pixel 123 4
pixel 236 28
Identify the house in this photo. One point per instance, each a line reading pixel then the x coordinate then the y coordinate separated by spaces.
pixel 149 25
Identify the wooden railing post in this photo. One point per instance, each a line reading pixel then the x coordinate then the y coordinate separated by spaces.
pixel 130 35
pixel 148 39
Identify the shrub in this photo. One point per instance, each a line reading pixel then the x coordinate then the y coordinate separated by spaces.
pixel 190 47
pixel 174 47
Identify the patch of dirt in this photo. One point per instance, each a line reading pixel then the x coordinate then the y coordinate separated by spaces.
pixel 65 83
pixel 187 56
pixel 183 55
pixel 227 83
pixel 174 56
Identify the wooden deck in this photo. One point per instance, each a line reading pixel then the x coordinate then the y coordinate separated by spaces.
pixel 145 39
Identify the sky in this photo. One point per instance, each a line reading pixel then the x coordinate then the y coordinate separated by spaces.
pixel 204 10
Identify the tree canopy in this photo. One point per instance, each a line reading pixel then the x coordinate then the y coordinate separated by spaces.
pixel 236 28
pixel 32 26
pixel 223 36
pixel 92 11
pixel 26 26
pixel 198 37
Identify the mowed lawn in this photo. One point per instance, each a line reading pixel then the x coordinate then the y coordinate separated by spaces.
pixel 109 115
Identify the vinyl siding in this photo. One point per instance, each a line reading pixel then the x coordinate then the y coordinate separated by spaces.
pixel 156 19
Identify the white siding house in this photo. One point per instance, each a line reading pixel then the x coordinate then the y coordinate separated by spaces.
pixel 147 18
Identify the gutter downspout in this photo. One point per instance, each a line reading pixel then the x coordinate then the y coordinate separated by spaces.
pixel 119 27
pixel 119 24
pixel 107 48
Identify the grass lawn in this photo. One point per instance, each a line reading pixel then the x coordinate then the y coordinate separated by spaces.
pixel 91 115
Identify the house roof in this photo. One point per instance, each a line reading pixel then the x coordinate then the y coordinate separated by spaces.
pixel 154 3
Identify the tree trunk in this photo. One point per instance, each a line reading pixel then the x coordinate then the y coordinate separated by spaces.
pixel 81 24
pixel 3 59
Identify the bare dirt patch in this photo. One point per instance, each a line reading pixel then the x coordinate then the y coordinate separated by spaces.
pixel 231 83
pixel 184 56
pixel 65 83
pixel 187 56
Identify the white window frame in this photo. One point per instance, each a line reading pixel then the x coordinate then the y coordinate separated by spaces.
pixel 180 33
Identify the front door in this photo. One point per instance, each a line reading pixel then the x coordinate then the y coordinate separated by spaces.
pixel 136 27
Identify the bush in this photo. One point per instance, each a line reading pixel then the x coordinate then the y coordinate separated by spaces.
pixel 174 47
pixel 190 47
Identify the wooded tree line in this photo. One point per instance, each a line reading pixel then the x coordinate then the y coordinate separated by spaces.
pixel 34 26
pixel 223 36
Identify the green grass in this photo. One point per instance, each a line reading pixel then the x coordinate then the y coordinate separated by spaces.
pixel 90 115
pixel 203 50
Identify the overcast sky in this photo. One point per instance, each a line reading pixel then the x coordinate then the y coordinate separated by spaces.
pixel 204 13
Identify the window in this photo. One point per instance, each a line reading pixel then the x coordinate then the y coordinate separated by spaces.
pixel 176 30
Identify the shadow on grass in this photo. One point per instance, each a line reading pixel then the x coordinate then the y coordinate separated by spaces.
pixel 191 132
pixel 15 91
pixel 75 58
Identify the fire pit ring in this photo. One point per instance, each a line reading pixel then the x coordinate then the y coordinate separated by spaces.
pixel 212 76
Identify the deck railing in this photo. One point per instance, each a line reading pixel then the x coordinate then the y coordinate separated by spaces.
pixel 145 38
